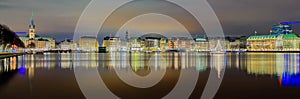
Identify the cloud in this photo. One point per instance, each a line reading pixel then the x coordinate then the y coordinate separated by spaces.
pixel 238 17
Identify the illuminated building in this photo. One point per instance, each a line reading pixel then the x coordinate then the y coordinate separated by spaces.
pixel 152 44
pixel 42 43
pixel 88 44
pixel 68 45
pixel 171 44
pixel 34 41
pixel 263 43
pixel 291 42
pixel 163 44
pixel 31 30
pixel 232 44
pixel 183 43
pixel 201 44
pixel 281 38
pixel 273 42
pixel 136 45
pixel 112 44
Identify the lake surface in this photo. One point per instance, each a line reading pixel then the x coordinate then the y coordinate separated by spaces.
pixel 150 75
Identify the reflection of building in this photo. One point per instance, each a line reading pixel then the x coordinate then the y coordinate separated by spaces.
pixel 218 63
pixel 273 64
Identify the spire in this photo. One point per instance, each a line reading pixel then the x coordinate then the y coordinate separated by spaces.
pixel 32 25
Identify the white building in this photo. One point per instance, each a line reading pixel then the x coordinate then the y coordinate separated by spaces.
pixel 88 44
pixel 68 45
pixel 112 44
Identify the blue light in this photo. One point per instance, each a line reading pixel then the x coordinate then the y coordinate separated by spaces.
pixel 21 33
pixel 22 71
pixel 291 80
pixel 289 23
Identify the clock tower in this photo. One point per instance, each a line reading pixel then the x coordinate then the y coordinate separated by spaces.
pixel 31 30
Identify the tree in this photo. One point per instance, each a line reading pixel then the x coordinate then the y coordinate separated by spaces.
pixel 8 37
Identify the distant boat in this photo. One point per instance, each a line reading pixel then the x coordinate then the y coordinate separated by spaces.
pixel 218 49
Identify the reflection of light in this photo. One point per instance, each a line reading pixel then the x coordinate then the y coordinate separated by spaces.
pixel 218 62
pixel 14 63
pixel 22 71
pixel 290 80
pixel 201 62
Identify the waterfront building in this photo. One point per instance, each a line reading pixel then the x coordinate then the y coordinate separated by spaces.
pixel 183 43
pixel 201 44
pixel 137 45
pixel 152 44
pixel 232 44
pixel 264 43
pixel 31 40
pixel 112 44
pixel 88 44
pixel 291 42
pixel 42 44
pixel 243 42
pixel 171 44
pixel 163 44
pixel 273 42
pixel 68 45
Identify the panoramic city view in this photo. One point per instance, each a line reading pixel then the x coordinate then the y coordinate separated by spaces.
pixel 136 49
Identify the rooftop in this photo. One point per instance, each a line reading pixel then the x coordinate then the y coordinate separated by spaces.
pixel 285 36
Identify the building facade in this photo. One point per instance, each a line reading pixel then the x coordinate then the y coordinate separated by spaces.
pixel 201 44
pixel 152 44
pixel 112 44
pixel 282 42
pixel 34 42
pixel 88 44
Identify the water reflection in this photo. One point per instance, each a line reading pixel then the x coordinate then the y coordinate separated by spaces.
pixel 141 61
pixel 218 62
pixel 283 66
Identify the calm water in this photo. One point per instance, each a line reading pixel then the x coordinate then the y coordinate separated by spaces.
pixel 52 75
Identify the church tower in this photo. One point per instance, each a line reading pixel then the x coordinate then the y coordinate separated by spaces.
pixel 31 28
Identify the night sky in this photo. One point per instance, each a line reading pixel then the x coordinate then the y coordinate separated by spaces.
pixel 58 18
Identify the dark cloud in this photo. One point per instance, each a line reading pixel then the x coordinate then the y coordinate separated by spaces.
pixel 243 17
pixel 238 17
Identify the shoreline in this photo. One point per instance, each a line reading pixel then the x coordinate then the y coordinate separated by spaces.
pixel 8 55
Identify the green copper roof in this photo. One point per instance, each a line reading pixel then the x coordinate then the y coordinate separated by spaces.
pixel 27 38
pixel 288 36
pixel 47 38
pixel 263 37
pixel 285 36
pixel 200 39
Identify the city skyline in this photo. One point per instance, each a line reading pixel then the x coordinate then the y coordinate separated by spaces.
pixel 58 18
